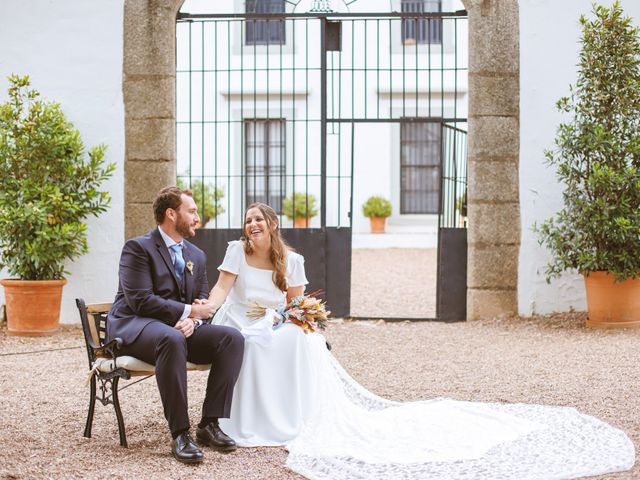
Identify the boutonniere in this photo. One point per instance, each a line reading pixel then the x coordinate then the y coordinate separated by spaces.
pixel 190 266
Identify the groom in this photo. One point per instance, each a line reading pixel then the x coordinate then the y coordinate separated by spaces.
pixel 161 275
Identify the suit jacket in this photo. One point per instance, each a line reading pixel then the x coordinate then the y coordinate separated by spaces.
pixel 148 289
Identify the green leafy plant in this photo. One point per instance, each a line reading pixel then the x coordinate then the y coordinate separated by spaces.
pixel 376 207
pixel 207 197
pixel 47 185
pixel 300 205
pixel 597 155
pixel 461 204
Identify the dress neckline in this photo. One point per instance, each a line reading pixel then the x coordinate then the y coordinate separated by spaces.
pixel 244 256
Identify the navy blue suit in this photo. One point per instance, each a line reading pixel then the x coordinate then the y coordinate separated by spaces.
pixel 149 302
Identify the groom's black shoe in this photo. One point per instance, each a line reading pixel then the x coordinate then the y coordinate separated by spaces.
pixel 185 450
pixel 213 436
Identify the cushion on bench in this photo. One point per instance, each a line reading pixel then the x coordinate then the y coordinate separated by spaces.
pixel 134 364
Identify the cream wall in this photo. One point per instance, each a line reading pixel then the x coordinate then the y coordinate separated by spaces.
pixel 72 50
pixel 549 35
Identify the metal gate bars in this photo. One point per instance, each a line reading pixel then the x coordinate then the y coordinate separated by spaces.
pixel 267 105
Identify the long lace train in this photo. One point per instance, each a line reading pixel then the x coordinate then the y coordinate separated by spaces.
pixel 355 434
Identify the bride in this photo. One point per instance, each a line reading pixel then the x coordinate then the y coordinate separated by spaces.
pixel 293 392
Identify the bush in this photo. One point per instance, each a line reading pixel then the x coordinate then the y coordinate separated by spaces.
pixel 47 187
pixel 597 155
pixel 461 204
pixel 376 207
pixel 305 206
pixel 210 195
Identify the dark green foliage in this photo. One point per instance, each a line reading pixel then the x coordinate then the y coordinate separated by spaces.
pixel 461 204
pixel 208 195
pixel 597 154
pixel 47 187
pixel 305 206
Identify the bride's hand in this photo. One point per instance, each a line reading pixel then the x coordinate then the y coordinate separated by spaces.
pixel 203 309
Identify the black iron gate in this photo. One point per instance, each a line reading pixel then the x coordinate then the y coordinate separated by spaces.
pixel 267 105
pixel 451 297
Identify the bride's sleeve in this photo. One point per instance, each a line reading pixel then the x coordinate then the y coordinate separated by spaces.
pixel 232 258
pixel 295 271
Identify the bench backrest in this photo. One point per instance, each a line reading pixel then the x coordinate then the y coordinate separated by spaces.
pixel 94 325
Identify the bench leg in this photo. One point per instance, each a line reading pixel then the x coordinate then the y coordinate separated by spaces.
pixel 92 407
pixel 116 405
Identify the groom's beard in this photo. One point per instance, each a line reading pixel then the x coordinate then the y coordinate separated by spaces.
pixel 184 229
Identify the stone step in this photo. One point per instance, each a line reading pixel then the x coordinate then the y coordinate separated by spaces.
pixel 395 240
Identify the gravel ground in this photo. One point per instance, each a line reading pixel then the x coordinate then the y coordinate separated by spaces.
pixel 374 293
pixel 546 360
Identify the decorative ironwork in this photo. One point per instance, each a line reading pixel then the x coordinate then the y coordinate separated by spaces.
pixel 107 380
pixel 321 6
pixel 94 330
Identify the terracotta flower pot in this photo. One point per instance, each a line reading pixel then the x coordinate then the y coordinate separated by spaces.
pixel 302 222
pixel 33 306
pixel 612 304
pixel 377 224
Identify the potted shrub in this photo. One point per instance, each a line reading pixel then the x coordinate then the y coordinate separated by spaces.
pixel 210 195
pixel 597 157
pixel 301 208
pixel 47 187
pixel 377 209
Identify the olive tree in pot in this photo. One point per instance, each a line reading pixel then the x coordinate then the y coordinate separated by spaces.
pixel 47 187
pixel 597 157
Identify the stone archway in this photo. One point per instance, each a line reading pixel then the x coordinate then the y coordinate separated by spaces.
pixel 493 201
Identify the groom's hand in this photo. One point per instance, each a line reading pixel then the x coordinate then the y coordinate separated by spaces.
pixel 186 326
pixel 202 310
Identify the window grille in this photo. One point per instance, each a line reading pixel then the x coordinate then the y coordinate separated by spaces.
pixel 420 151
pixel 421 30
pixel 264 32
pixel 265 161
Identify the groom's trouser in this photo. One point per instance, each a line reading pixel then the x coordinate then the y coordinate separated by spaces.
pixel 169 350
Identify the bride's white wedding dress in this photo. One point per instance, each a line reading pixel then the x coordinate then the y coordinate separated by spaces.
pixel 293 392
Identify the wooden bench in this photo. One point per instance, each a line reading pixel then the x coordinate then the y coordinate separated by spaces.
pixel 107 367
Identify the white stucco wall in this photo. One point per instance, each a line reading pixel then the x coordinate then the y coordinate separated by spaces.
pixel 72 50
pixel 549 35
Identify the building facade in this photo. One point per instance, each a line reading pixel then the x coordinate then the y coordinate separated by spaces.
pixel 75 53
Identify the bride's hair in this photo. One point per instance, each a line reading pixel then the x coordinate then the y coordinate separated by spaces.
pixel 279 247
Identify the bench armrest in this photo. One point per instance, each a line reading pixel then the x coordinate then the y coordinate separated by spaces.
pixel 109 349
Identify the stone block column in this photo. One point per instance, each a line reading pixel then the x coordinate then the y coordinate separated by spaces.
pixel 149 77
pixel 494 132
